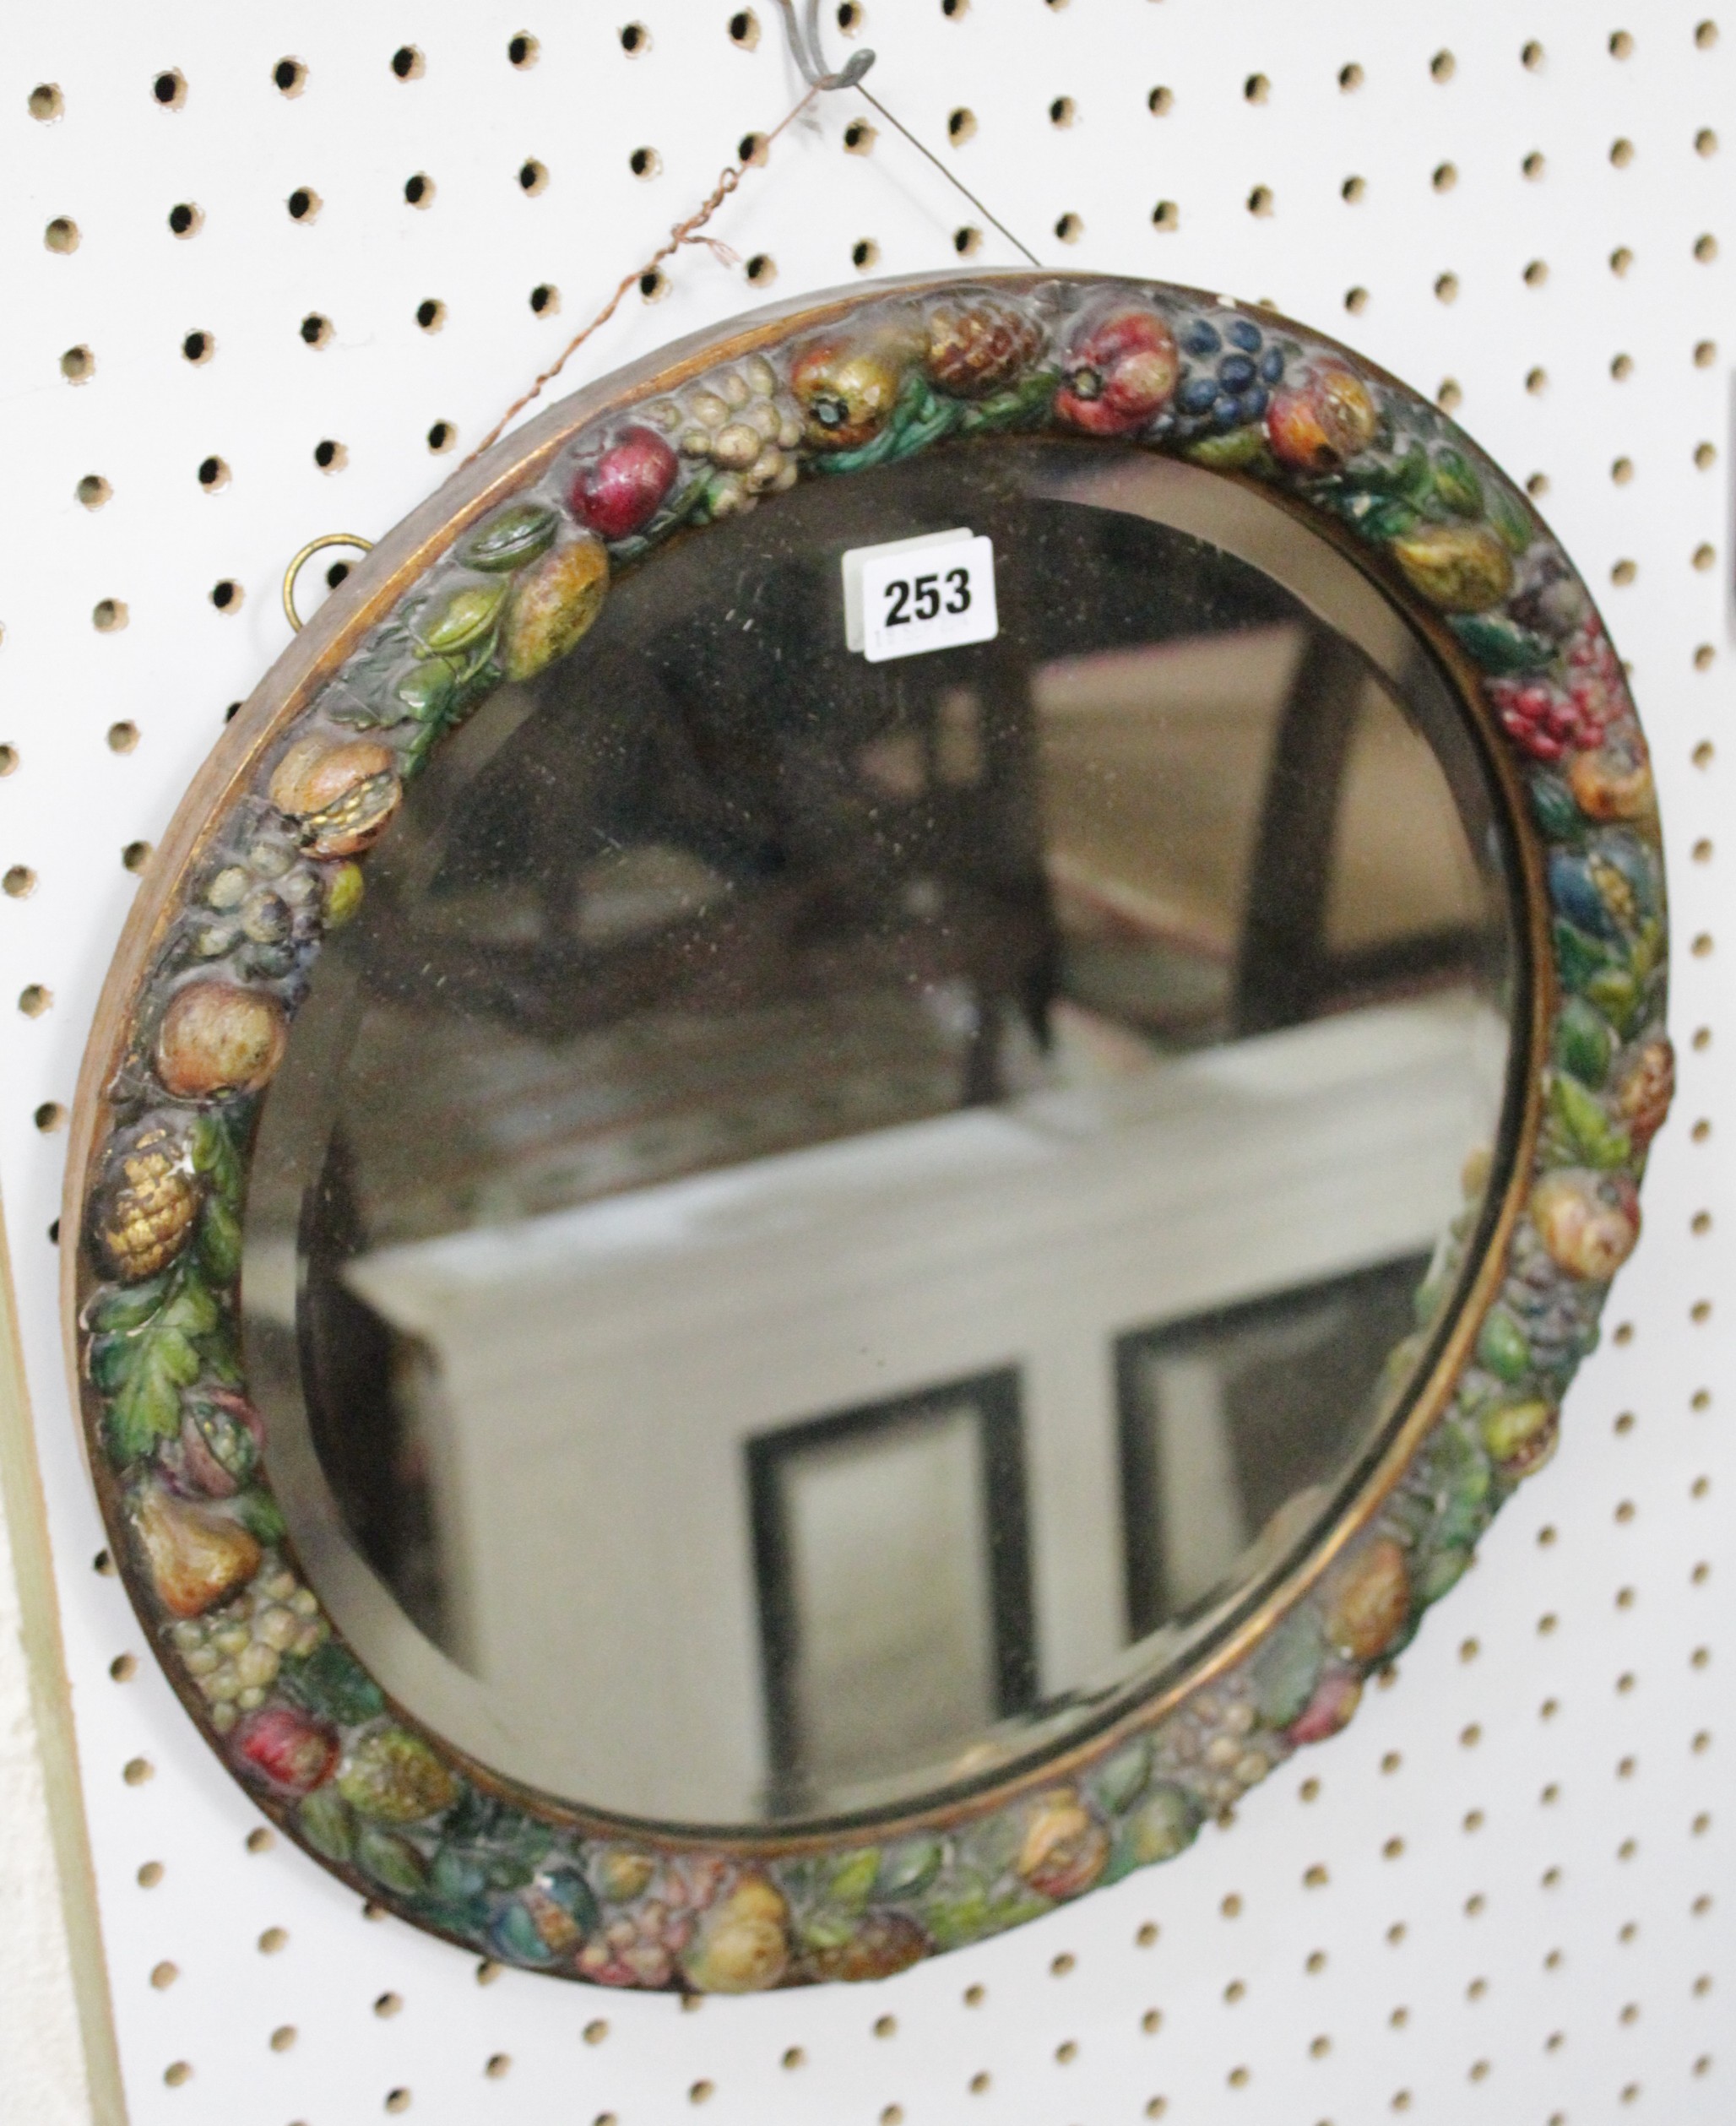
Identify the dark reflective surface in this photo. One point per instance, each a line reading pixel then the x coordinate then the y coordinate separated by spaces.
pixel 825 1217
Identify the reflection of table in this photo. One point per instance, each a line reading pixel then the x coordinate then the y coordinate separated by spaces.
pixel 602 1367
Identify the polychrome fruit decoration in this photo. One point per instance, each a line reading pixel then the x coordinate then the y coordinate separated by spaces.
pixel 848 388
pixel 510 538
pixel 1588 1221
pixel 394 1776
pixel 1319 423
pixel 1644 1089
pixel 974 348
pixel 1520 1436
pixel 215 1038
pixel 743 1944
pixel 1459 568
pixel 195 1556
pixel 341 797
pixel 289 1748
pixel 619 492
pixel 1065 1848
pixel 1613 783
pixel 1119 374
pixel 145 1214
pixel 554 604
pixel 1369 1602
pixel 206 988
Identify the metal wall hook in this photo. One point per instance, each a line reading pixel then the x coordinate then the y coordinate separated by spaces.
pixel 805 44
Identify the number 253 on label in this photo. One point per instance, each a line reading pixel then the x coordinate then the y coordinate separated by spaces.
pixel 924 595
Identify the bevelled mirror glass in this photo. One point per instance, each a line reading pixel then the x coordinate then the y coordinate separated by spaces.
pixel 857 1132
pixel 824 1215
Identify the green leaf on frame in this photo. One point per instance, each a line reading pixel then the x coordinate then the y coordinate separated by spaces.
pixel 1414 478
pixel 172 1353
pixel 852 1882
pixel 125 1308
pixel 331 1682
pixel 192 1312
pixel 112 1359
pixel 260 1515
pixel 1500 647
pixel 220 1241
pixel 829 1926
pixel 1579 1115
pixel 144 1410
pixel 1507 514
pixel 1456 483
pixel 215 1155
pixel 391 1860
pixel 908 1868
pixel 328 1826
pixel 1501 1347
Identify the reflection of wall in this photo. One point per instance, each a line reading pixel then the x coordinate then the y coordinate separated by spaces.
pixel 1227 1416
pixel 894 1584
pixel 603 1366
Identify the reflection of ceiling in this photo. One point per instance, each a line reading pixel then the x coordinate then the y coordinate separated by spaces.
pixel 1154 766
pixel 1402 867
pixel 457 1121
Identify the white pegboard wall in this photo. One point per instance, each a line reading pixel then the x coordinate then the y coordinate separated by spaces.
pixel 1502 1895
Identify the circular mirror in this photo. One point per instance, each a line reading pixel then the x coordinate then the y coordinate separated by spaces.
pixel 826 1218
pixel 877 1266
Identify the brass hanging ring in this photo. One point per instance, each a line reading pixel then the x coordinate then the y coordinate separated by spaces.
pixel 312 547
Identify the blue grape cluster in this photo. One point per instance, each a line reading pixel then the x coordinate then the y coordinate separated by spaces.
pixel 1226 386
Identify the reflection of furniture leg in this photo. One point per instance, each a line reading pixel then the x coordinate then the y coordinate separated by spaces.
pixel 1195 1487
pixel 346 1365
pixel 892 1568
pixel 1203 1518
pixel 1283 962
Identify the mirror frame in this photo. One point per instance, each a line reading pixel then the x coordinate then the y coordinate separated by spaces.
pixel 496 576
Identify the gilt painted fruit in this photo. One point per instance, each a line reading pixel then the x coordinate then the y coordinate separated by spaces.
pixel 1065 1848
pixel 215 1038
pixel 220 1437
pixel 195 1556
pixel 554 602
pixel 1645 1087
pixel 1231 370
pixel 149 1200
pixel 1334 1699
pixel 882 1944
pixel 620 491
pixel 1370 1600
pixel 1119 374
pixel 395 1777
pixel 289 1749
pixel 1588 1221
pixel 743 1944
pixel 976 347
pixel 1520 1436
pixel 1320 421
pixel 342 796
pixel 847 388
pixel 1459 568
pixel 1613 783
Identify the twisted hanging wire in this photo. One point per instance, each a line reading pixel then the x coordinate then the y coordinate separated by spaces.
pixel 684 233
pixel 804 48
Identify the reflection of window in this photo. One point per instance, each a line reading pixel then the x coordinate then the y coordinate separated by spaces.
pixel 1227 1416
pixel 894 1584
